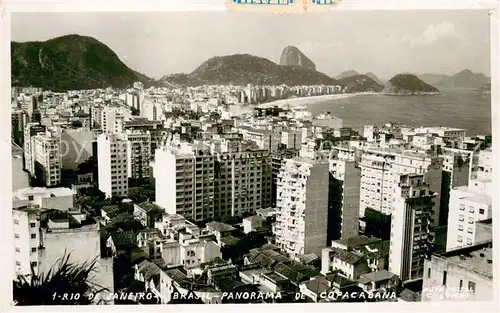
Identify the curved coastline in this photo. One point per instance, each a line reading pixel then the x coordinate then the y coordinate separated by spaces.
pixel 282 103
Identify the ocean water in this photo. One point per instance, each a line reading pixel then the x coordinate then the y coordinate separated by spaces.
pixel 465 109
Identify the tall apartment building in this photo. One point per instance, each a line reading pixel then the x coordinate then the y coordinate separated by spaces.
pixel 411 237
pixel 460 274
pixel 47 159
pixel 139 153
pixel 185 181
pixel 27 240
pixel 113 119
pixel 31 130
pixel 278 160
pixel 292 139
pixel 345 180
pixel 201 185
pixel 243 182
pixel 456 168
pixel 468 205
pixel 112 152
pixel 380 171
pixel 302 205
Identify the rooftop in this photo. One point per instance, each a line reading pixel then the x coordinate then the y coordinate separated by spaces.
pixel 23 194
pixel 219 226
pixel 123 238
pixel 378 275
pixel 356 241
pixel 477 258
pixel 346 256
pixel 150 207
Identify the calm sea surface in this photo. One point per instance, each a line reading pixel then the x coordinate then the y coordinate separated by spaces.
pixel 454 108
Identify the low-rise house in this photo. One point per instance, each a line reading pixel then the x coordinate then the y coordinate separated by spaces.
pixel 268 280
pixel 295 272
pixel 148 213
pixel 315 287
pixel 252 223
pixel 266 213
pixel 170 281
pixel 376 254
pixel 148 273
pixel 265 258
pixel 351 264
pixel 380 281
pixel 220 229
pixel 151 241
pixel 121 242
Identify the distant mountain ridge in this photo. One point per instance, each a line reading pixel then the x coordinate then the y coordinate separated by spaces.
pixel 464 79
pixel 70 62
pixel 242 69
pixel 408 85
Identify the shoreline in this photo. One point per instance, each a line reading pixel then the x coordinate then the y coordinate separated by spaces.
pixel 308 100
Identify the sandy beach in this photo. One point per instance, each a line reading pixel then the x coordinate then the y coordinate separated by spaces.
pixel 307 100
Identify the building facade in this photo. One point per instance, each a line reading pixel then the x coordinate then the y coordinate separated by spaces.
pixel 112 152
pixel 411 236
pixel 302 206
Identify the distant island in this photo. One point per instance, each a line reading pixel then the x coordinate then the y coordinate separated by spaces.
pixel 408 85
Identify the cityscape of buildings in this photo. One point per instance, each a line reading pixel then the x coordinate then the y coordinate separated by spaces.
pixel 201 193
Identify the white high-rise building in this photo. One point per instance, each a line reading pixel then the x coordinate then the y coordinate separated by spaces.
pixel 468 204
pixel 112 153
pixel 113 119
pixel 410 226
pixel 30 130
pixel 47 159
pixel 139 153
pixel 27 240
pixel 184 180
pixel 380 171
pixel 302 205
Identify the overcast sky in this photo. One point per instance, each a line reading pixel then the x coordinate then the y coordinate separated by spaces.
pixel 382 42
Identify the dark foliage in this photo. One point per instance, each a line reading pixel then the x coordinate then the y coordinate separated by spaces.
pixel 63 278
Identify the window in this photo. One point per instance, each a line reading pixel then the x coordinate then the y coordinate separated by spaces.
pixel 16 236
pixel 472 287
pixel 18 250
pixel 16 222
pixel 481 211
pixel 445 274
pixel 460 238
pixel 462 207
pixel 429 272
pixel 30 198
pixel 471 209
pixel 461 285
pixel 33 249
pixel 33 264
pixel 33 236
pixel 471 220
pixel 461 218
pixel 460 227
pixel 32 225
pixel 18 263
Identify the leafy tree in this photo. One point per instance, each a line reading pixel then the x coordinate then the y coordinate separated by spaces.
pixel 63 278
pixel 124 221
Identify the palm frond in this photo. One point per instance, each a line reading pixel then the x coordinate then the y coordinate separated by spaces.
pixel 64 277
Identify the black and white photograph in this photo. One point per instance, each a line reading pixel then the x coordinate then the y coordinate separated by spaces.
pixel 223 157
